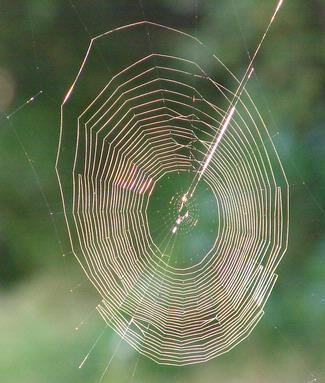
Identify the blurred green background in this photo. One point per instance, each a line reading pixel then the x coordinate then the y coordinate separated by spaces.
pixel 45 297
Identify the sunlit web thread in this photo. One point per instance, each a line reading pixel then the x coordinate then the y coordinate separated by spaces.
pixel 146 122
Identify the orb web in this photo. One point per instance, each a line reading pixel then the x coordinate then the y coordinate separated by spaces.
pixel 183 272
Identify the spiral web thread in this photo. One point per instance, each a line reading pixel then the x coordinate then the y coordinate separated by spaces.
pixel 163 115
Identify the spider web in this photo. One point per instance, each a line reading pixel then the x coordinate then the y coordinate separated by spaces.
pixel 175 198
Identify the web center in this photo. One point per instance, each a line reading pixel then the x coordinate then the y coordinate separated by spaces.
pixel 184 229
